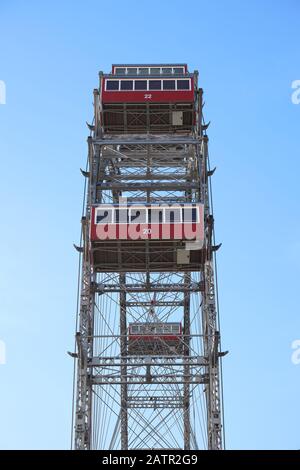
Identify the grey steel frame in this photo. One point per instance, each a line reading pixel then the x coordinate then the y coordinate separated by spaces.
pixel 157 167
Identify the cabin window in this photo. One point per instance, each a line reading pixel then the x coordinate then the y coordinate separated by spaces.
pixel 169 84
pixel 150 329
pixel 112 84
pixel 154 84
pixel 155 216
pixel 121 216
pixel 104 216
pixel 120 70
pixel 138 216
pixel 178 70
pixel 189 214
pixel 173 216
pixel 183 84
pixel 132 71
pixel 143 71
pixel 175 328
pixel 126 84
pixel 166 70
pixel 155 70
pixel 135 328
pixel 140 85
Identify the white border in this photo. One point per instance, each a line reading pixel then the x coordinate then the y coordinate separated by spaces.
pixel 147 80
pixel 163 209
pixel 148 68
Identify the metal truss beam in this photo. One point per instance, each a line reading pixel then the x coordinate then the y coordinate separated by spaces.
pixel 142 141
pixel 159 287
pixel 147 186
pixel 155 379
pixel 138 361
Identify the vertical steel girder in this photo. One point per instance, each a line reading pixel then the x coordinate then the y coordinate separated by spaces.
pixel 210 331
pixel 186 387
pixel 85 351
pixel 84 337
pixel 124 386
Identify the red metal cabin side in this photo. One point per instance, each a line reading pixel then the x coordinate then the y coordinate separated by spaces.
pixel 185 222
pixel 155 338
pixel 147 95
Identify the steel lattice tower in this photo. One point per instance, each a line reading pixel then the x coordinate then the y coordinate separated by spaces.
pixel 148 154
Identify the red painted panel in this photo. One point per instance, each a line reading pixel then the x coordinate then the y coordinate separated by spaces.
pixel 148 231
pixel 181 96
pixel 187 231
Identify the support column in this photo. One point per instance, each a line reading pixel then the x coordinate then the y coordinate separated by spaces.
pixel 123 346
pixel 84 338
pixel 186 352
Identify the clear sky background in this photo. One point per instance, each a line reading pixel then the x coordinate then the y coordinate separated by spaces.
pixel 247 54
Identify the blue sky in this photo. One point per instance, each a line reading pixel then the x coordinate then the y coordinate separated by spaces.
pixel 247 54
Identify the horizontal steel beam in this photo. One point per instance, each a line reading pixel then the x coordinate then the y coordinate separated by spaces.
pixel 159 287
pixel 157 398
pixel 157 267
pixel 155 380
pixel 154 405
pixel 154 141
pixel 148 186
pixel 158 164
pixel 95 362
pixel 134 156
pixel 145 177
pixel 157 304
pixel 171 199
pixel 146 355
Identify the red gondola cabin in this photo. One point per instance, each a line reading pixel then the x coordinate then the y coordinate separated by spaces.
pixel 154 338
pixel 160 97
